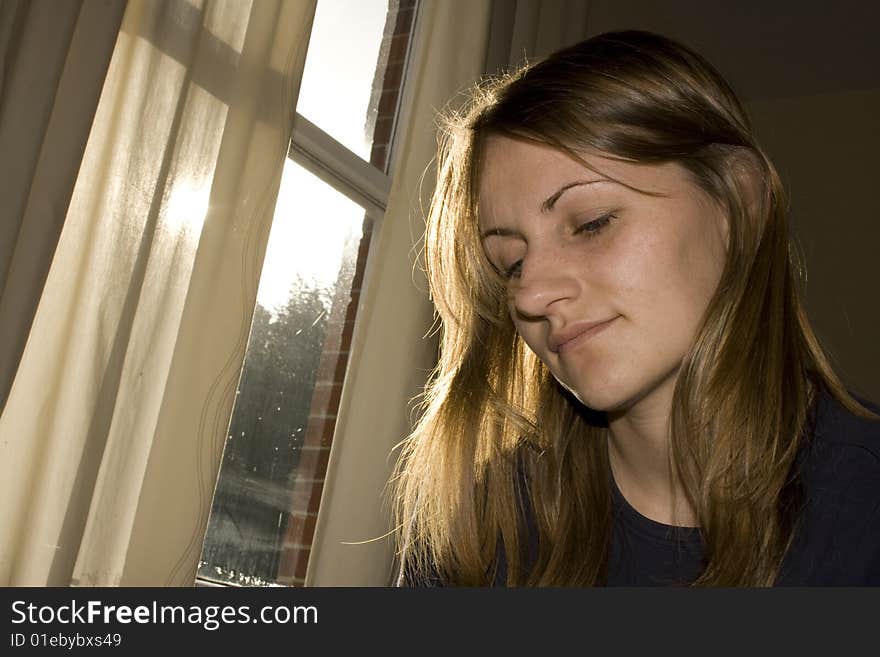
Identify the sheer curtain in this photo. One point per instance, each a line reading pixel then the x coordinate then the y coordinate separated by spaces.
pixel 112 432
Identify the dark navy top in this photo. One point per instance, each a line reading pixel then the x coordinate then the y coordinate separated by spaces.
pixel 838 540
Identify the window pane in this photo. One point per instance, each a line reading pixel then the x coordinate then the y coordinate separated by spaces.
pixel 344 81
pixel 276 448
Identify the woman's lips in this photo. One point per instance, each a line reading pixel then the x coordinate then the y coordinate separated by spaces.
pixel 583 336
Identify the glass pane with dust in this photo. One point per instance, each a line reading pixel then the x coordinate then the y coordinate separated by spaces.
pixel 305 283
pixel 349 51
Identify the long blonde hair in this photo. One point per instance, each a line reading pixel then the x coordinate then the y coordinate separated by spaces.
pixel 497 432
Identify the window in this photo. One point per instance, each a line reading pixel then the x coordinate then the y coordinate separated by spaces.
pixel 334 188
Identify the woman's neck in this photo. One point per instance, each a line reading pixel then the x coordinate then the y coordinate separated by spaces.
pixel 638 444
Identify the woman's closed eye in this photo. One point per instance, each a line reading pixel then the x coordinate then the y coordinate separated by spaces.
pixel 589 230
pixel 593 228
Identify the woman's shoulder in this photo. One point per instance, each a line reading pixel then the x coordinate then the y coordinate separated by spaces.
pixel 840 539
pixel 843 439
pixel 842 454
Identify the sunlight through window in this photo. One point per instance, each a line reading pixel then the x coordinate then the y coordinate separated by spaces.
pixel 340 68
pixel 312 227
pixel 186 208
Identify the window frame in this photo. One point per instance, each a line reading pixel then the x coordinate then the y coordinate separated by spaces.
pixel 347 173
pixel 362 182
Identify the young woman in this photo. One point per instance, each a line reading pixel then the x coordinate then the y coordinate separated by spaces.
pixel 629 391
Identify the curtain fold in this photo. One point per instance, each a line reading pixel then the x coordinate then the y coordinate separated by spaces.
pixel 112 434
pixel 53 60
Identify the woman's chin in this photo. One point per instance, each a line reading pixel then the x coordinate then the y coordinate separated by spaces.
pixel 595 397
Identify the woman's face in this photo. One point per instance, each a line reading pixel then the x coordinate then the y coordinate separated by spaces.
pixel 580 248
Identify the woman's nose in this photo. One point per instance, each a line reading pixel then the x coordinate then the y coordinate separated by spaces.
pixel 542 282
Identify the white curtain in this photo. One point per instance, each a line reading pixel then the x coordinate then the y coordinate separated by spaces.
pixel 113 430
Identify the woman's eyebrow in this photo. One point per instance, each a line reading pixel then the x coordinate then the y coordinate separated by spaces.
pixel 547 205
